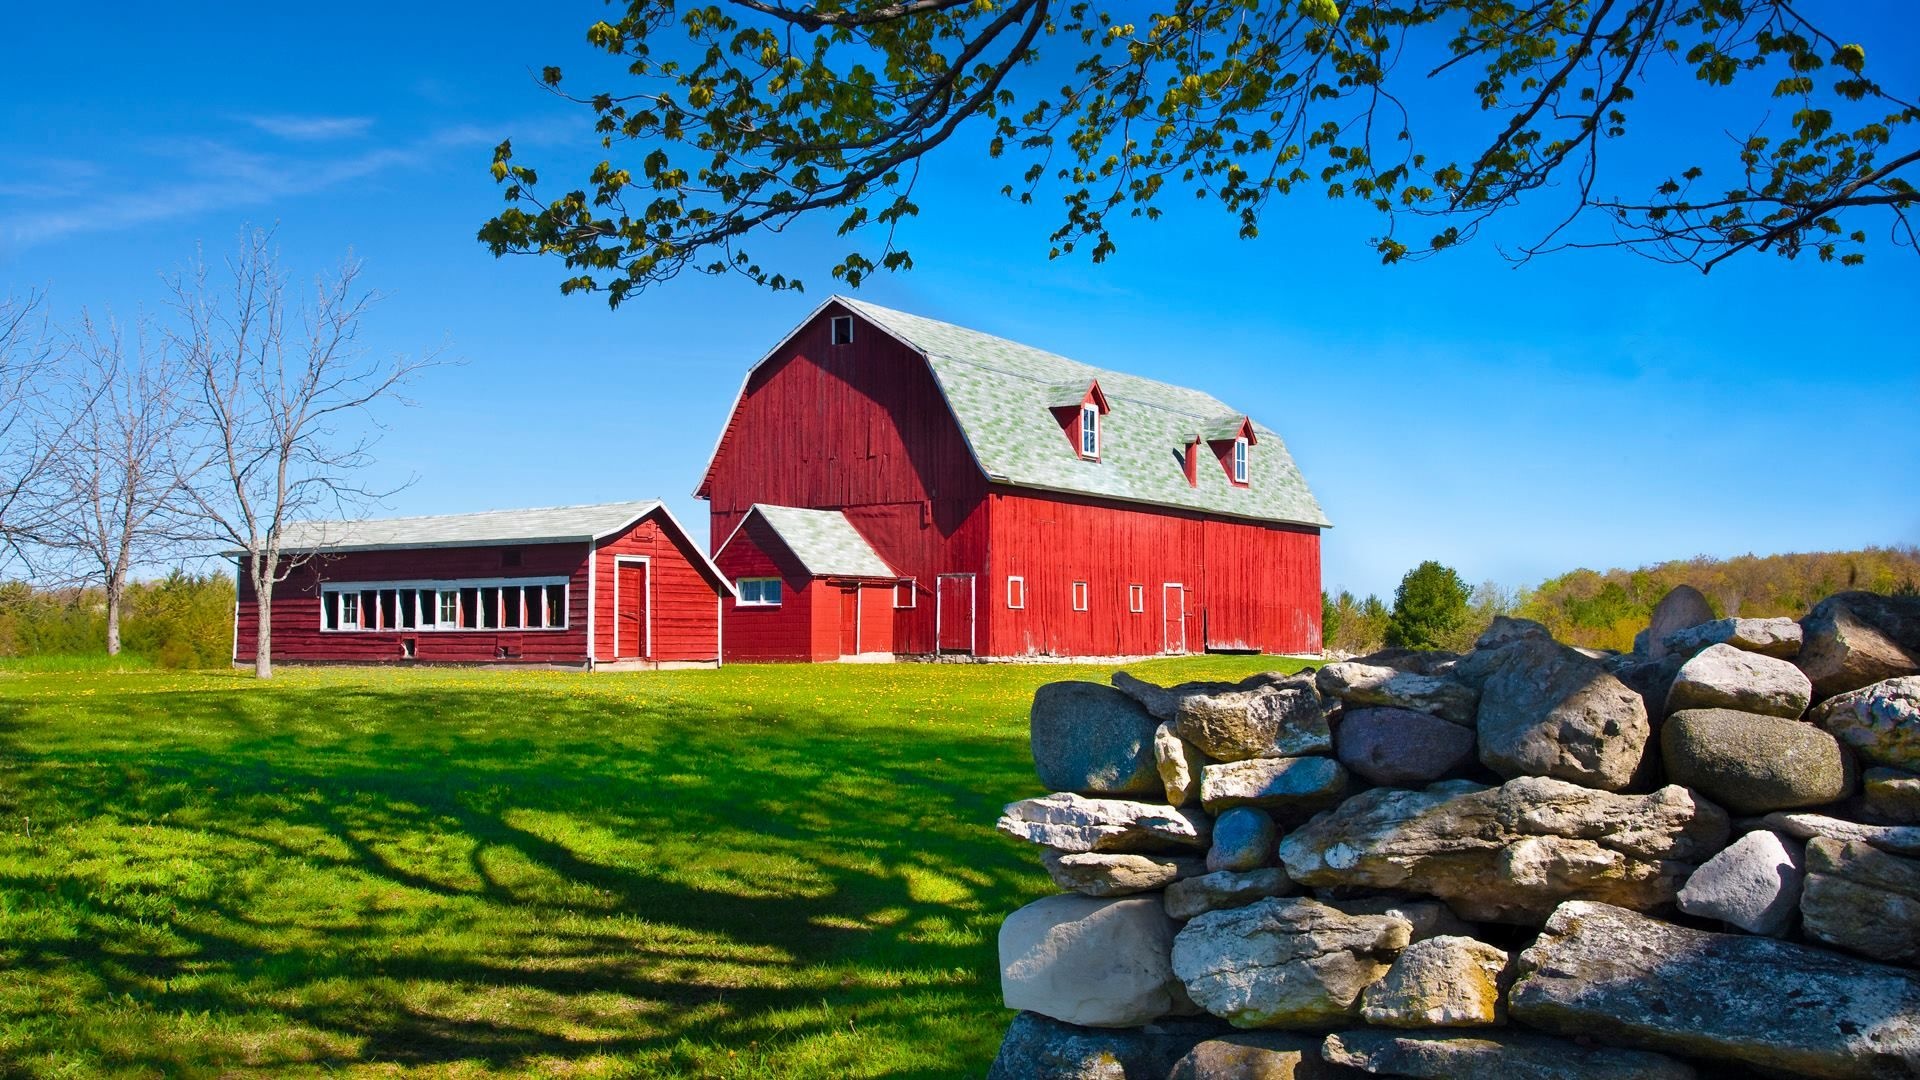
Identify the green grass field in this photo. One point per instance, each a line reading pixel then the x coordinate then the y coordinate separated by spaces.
pixel 753 872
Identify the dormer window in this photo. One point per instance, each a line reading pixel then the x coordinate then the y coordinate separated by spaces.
pixel 1078 406
pixel 1089 430
pixel 1239 461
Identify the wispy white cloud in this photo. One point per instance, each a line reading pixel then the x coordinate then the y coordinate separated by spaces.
pixel 312 128
pixel 206 175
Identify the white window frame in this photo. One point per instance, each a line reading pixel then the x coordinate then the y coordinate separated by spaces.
pixel 1137 599
pixel 1080 596
pixel 332 591
pixel 740 585
pixel 1089 430
pixel 1240 460
pixel 833 330
pixel 1012 581
pixel 913 594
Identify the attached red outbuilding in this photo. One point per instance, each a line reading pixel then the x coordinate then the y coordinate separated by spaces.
pixel 613 584
pixel 808 587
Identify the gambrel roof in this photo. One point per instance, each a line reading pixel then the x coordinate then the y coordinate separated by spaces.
pixel 824 541
pixel 1002 394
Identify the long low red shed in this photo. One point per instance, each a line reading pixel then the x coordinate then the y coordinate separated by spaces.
pixel 608 585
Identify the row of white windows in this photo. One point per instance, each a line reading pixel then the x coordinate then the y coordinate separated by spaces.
pixel 539 604
pixel 1017 595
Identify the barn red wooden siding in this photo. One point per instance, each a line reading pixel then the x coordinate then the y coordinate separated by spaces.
pixel 859 428
pixel 862 428
pixel 683 603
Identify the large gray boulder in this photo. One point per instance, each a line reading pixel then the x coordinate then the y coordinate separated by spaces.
pixel 1242 840
pixel 1899 839
pixel 1623 978
pixel 1293 963
pixel 1752 764
pixel 1723 677
pixel 1892 795
pixel 1040 1048
pixel 1092 739
pixel 1510 854
pixel 1445 981
pixel 1494 1055
pixel 1400 748
pixel 1282 719
pixel 1881 721
pixel 1279 784
pixel 1097 963
pixel 1257 1055
pixel 1358 683
pixel 1179 763
pixel 1754 884
pixel 1095 873
pixel 1546 710
pixel 1852 639
pixel 1770 637
pixel 1225 889
pixel 1070 822
pixel 1862 899
pixel 1682 608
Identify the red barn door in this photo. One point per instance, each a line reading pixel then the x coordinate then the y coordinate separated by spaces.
pixel 1173 618
pixel 850 621
pixel 954 612
pixel 629 609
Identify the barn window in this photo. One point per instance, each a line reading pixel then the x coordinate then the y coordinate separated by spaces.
pixel 1090 430
pixel 536 604
pixel 759 591
pixel 903 594
pixel 1016 592
pixel 1239 461
pixel 1079 596
pixel 1136 598
pixel 843 329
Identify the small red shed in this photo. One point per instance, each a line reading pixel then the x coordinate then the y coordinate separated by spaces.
pixel 617 585
pixel 808 587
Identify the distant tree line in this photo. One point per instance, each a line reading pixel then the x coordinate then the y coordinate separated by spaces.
pixel 241 407
pixel 1434 608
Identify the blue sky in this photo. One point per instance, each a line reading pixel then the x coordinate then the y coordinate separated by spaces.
pixel 1587 409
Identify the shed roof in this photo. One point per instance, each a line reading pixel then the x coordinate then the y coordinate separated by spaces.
pixel 488 528
pixel 1002 394
pixel 824 541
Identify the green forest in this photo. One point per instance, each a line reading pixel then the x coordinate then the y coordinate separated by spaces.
pixel 1604 609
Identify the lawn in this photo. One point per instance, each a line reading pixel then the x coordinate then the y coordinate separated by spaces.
pixel 752 872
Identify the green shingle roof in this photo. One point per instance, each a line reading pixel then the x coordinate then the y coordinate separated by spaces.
pixel 545 525
pixel 1002 393
pixel 824 541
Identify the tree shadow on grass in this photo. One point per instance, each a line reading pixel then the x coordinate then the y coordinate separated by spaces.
pixel 347 875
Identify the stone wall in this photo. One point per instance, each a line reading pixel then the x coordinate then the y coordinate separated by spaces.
pixel 1701 858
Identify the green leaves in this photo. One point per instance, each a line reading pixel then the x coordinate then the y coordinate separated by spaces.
pixel 749 117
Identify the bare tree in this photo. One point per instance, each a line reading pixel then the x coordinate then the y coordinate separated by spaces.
pixel 29 352
pixel 117 474
pixel 282 393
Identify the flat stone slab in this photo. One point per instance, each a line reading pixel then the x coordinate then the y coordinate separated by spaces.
pixel 1506 1055
pixel 1624 978
pixel 1068 822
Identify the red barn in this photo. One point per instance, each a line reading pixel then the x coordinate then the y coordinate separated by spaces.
pixel 611 585
pixel 1018 503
